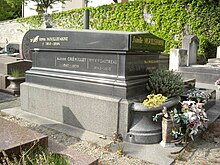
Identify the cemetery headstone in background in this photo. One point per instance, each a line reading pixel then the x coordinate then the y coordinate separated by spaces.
pixel 9 64
pixel 191 43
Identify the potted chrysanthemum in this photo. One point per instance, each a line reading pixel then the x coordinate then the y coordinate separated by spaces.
pixel 165 87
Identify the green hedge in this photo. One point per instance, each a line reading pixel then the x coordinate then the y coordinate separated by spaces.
pixel 171 20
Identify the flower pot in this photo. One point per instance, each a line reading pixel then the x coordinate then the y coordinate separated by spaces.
pixel 14 86
pixel 143 129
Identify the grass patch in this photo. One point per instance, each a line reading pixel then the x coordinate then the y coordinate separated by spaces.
pixel 33 157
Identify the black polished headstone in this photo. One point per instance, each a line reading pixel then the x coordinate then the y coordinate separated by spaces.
pixel 104 62
pixel 11 48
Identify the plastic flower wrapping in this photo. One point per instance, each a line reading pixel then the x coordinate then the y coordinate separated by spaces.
pixel 217 83
pixel 188 120
pixel 195 116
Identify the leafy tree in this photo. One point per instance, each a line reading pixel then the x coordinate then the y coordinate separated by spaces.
pixel 10 9
pixel 43 5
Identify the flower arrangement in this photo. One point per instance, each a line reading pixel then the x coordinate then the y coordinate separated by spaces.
pixel 154 101
pixel 191 117
pixel 217 83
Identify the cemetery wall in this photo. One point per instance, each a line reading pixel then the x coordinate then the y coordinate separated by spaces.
pixel 159 18
pixel 12 32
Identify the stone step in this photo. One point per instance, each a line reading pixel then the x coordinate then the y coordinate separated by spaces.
pixel 202 73
pixel 201 69
pixel 214 61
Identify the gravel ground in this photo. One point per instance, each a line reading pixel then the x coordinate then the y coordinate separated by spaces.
pixel 102 152
pixel 203 151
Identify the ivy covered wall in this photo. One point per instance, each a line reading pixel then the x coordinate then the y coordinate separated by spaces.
pixel 168 19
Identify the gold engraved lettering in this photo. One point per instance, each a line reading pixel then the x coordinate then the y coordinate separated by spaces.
pixel 137 40
pixel 137 68
pixel 153 41
pixel 147 41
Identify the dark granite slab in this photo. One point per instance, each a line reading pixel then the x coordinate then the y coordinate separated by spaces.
pixel 103 62
pixel 92 40
pixel 117 74
pixel 14 139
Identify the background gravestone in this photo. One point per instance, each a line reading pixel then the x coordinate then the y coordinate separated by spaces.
pixel 190 43
pixel 8 64
pixel 218 52
pixel 11 48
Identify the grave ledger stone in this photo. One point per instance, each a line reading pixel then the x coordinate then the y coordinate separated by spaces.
pixel 93 74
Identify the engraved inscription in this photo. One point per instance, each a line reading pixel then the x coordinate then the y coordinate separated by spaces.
pixel 147 41
pixel 49 41
pixel 85 63
pixel 143 65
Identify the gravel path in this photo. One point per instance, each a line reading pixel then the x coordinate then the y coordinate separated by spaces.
pixel 204 151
